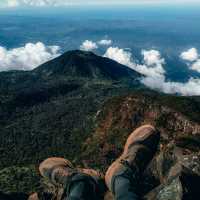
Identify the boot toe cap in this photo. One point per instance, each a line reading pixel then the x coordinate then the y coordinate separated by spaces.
pixel 48 165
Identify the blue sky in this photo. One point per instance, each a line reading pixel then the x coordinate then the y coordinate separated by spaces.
pixel 13 3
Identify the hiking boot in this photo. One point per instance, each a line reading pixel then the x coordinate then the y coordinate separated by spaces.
pixel 57 170
pixel 139 149
pixel 62 173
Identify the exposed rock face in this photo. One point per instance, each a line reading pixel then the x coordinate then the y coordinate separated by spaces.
pixel 175 174
pixel 121 116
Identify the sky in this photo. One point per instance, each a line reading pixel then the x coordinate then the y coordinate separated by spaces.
pixel 14 3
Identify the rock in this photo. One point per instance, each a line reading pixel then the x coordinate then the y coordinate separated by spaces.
pixel 171 191
pixel 174 174
pixel 183 187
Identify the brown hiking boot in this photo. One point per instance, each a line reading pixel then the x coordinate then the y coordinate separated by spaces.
pixel 138 151
pixel 61 172
pixel 57 170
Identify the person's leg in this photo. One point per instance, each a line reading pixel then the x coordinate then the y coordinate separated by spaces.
pixel 125 188
pixel 77 191
pixel 82 187
pixel 122 177
pixel 78 184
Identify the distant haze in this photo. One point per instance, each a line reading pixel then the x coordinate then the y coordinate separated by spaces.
pixel 13 3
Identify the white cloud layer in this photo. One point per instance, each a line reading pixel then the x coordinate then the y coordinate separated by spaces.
pixel 193 58
pixel 105 42
pixel 120 55
pixel 153 69
pixel 152 61
pixel 190 55
pixel 196 66
pixel 28 57
pixel 32 55
pixel 88 45
pixel 153 64
pixel 190 88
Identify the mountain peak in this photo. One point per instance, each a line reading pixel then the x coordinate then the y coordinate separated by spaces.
pixel 85 64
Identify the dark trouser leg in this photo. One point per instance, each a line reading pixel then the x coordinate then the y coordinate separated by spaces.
pixel 82 187
pixel 77 191
pixel 125 184
pixel 124 190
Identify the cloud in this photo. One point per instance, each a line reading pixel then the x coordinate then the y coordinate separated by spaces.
pixel 120 55
pixel 105 42
pixel 193 58
pixel 152 61
pixel 88 45
pixel 28 57
pixel 196 66
pixel 190 55
pixel 153 64
pixel 153 69
pixel 152 58
pixel 13 3
pixel 190 88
